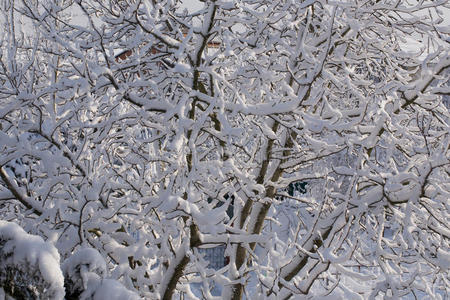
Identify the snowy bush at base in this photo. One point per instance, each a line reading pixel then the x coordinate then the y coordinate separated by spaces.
pixel 84 274
pixel 79 267
pixel 110 289
pixel 29 267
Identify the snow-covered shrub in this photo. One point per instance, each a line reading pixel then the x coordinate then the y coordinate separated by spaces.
pixel 85 273
pixel 110 289
pixel 29 267
pixel 79 267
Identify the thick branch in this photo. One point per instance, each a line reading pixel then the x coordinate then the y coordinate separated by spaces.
pixel 15 190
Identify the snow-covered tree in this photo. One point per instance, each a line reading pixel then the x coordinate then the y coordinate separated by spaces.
pixel 132 127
